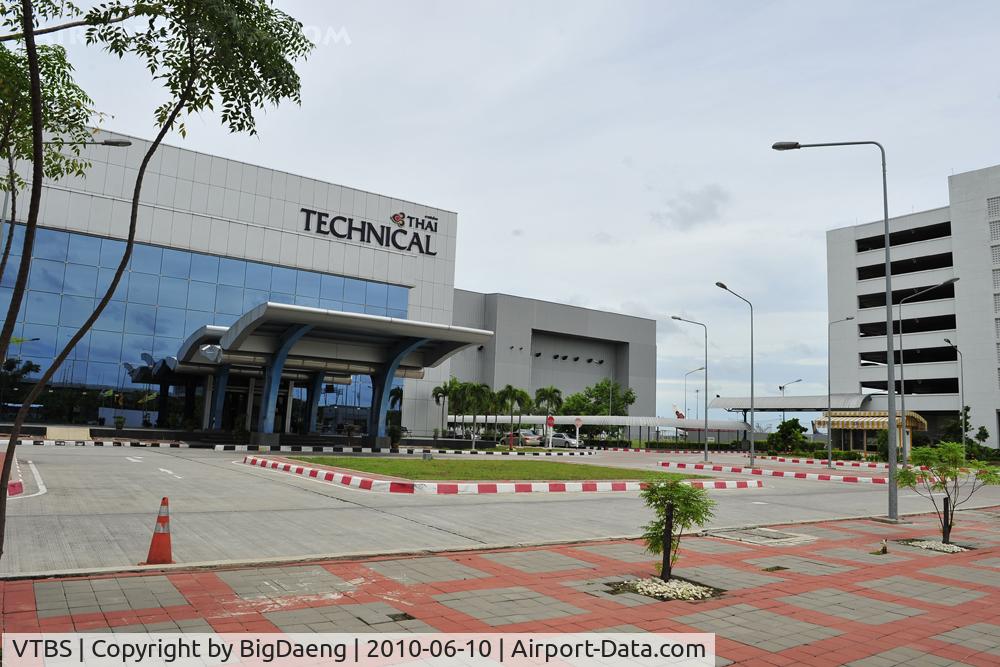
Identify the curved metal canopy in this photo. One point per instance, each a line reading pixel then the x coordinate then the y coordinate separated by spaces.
pixel 790 403
pixel 609 420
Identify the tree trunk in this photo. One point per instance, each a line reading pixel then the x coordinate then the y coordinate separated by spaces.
pixel 946 521
pixel 668 543
pixel 12 217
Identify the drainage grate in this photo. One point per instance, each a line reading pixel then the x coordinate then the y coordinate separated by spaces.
pixel 774 568
pixel 402 616
pixel 764 536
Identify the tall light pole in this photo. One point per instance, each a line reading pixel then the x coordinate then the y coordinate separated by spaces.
pixel 705 368
pixel 961 390
pixel 686 388
pixel 890 360
pixel 781 387
pixel 829 391
pixel 902 364
pixel 747 301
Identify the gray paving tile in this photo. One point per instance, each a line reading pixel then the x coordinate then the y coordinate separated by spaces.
pixel 708 545
pixel 197 625
pixel 503 606
pixel 272 582
pixel 873 527
pixel 372 617
pixel 61 598
pixel 988 562
pixel 982 637
pixel 925 591
pixel 859 555
pixel 809 566
pixel 904 656
pixel 538 561
pixel 972 575
pixel 821 532
pixel 598 588
pixel 851 606
pixel 626 552
pixel 757 627
pixel 726 578
pixel 425 570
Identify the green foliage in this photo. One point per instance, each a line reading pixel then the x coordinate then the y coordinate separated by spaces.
pixel 119 422
pixel 395 398
pixel 395 434
pixel 981 452
pixel 549 399
pixel 595 400
pixel 789 436
pixel 692 507
pixel 952 429
pixel 950 474
pixel 982 435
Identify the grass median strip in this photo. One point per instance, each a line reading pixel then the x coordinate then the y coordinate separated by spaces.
pixel 486 470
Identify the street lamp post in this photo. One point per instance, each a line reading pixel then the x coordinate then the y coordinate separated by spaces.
pixel 890 361
pixel 686 388
pixel 781 387
pixel 961 390
pixel 705 368
pixel 829 391
pixel 747 301
pixel 902 364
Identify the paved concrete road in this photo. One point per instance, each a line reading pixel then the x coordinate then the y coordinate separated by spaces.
pixel 99 507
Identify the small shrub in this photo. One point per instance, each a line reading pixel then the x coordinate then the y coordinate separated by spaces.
pixel 684 506
pixel 119 422
pixel 395 433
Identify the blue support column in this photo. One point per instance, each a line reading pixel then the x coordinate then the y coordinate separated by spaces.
pixel 315 392
pixel 272 376
pixel 382 383
pixel 218 397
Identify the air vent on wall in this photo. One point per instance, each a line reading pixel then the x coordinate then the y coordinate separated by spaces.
pixel 993 208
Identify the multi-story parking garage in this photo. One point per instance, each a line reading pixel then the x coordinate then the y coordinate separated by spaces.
pixel 371 276
pixel 940 328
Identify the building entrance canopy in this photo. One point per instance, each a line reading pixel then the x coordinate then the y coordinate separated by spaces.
pixel 790 403
pixel 277 340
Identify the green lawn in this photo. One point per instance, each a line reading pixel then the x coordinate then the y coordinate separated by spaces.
pixel 490 469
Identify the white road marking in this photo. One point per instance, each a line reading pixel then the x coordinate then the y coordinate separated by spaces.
pixel 38 482
pixel 134 459
pixel 757 502
pixel 170 472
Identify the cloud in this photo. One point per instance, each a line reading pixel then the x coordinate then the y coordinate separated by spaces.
pixel 690 208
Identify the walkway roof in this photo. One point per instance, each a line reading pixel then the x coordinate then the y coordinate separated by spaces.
pixel 608 420
pixel 790 403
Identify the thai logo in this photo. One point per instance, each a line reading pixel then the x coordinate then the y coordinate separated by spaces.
pixel 399 218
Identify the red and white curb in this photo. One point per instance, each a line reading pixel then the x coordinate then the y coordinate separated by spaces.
pixel 472 488
pixel 15 486
pixel 822 477
pixel 845 464
pixel 662 451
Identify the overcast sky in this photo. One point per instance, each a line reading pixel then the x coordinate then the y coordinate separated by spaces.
pixel 616 155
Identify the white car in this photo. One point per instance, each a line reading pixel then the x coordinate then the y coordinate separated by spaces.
pixel 563 440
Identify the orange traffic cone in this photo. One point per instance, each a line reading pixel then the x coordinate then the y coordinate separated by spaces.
pixel 159 547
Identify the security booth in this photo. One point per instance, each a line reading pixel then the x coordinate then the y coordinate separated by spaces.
pixel 853 430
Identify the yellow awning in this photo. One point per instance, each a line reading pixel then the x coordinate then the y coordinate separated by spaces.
pixel 871 420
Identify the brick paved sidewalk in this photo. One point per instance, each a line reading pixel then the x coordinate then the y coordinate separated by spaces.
pixel 824 602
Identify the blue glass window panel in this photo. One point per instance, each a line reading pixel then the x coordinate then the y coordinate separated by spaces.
pixel 75 310
pixel 307 284
pixel 376 294
pixel 331 287
pixel 50 244
pixel 229 300
pixel 354 290
pixel 175 263
pixel 43 365
pixel 278 297
pixel 76 371
pixel 5 296
pixel 133 346
pixel 283 280
pixel 224 320
pixel 253 298
pixel 47 275
pixel 399 297
pixel 103 374
pixel 104 277
pixel 80 280
pixel 111 253
pixel 258 276
pixel 331 305
pixel 201 296
pixel 112 317
pixel 42 308
pixel 232 272
pixel 139 319
pixel 353 308
pixel 146 259
pixel 10 271
pixel 18 242
pixel 170 322
pixel 173 292
pixel 81 350
pixel 375 310
pixel 84 250
pixel 45 346
pixel 195 319
pixel 308 301
pixel 165 347
pixel 143 288
pixel 205 268
pixel 401 314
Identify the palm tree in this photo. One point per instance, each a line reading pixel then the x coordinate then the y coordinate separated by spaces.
pixel 480 398
pixel 550 398
pixel 523 402
pixel 395 398
pixel 447 391
pixel 506 399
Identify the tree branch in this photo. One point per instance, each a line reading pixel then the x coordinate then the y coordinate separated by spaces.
pixel 79 23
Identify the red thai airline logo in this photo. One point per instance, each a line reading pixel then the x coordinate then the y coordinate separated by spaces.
pixel 399 218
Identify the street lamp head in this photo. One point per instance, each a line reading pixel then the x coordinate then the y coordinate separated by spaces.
pixel 119 143
pixel 849 318
pixel 722 285
pixel 786 146
pixel 675 317
pixel 950 281
pixel 948 340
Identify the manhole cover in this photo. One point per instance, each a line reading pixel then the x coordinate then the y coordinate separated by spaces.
pixel 764 536
pixel 402 616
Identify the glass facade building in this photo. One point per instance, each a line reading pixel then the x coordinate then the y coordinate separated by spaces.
pixel 164 296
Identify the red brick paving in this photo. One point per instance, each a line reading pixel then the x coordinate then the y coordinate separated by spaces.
pixel 209 598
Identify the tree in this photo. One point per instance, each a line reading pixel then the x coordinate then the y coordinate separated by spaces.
pixel 442 393
pixel 237 54
pixel 596 400
pixel 957 430
pixel 677 507
pixel 789 436
pixel 550 398
pixel 395 398
pixel 12 373
pixel 950 474
pixel 982 435
pixel 481 399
